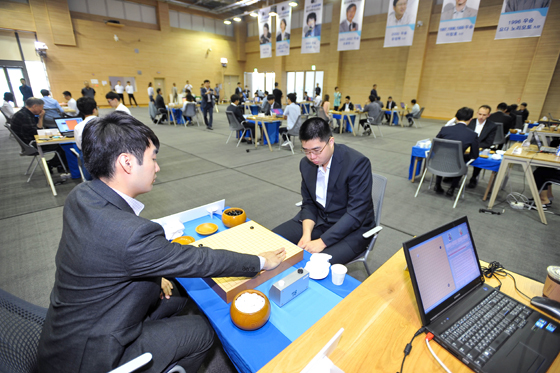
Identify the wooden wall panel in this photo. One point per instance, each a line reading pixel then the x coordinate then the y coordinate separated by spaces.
pixel 552 102
pixel 16 16
pixel 61 23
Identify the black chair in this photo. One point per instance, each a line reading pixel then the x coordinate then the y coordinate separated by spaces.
pixel 235 126
pixel 518 122
pixel 500 138
pixel 293 132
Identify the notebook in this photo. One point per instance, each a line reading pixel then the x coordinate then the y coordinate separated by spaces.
pixel 66 125
pixel 453 302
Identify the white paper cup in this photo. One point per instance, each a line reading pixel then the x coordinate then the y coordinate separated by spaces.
pixel 338 273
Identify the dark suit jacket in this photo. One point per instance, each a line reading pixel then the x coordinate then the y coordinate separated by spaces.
pixel 160 103
pixel 204 98
pixel 487 135
pixel 501 117
pixel 464 134
pixel 349 207
pixel 108 269
pixel 391 105
pixel 343 107
pixel 236 110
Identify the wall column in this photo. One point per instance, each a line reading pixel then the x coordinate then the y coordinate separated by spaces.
pixel 330 79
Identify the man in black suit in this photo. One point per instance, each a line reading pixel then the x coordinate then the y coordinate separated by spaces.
pixel 486 131
pixel 236 110
pixel 337 207
pixel 390 105
pixel 373 92
pixel 500 116
pixel 468 137
pixel 207 103
pixel 523 111
pixel 109 302
pixel 277 93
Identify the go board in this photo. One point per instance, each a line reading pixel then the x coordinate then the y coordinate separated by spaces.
pixel 248 238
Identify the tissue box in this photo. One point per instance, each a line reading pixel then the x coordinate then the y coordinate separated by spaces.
pixel 425 144
pixel 289 287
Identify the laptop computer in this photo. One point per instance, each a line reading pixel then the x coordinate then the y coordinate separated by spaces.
pixel 359 107
pixel 484 328
pixel 66 125
pixel 277 111
pixel 543 149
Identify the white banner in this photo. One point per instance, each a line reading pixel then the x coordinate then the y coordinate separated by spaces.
pixel 401 20
pixel 457 21
pixel 350 28
pixel 522 18
pixel 283 26
pixel 311 31
pixel 265 36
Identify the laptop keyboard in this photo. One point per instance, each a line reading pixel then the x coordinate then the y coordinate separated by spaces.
pixel 486 327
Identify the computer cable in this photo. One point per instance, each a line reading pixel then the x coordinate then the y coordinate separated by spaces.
pixel 409 346
pixel 429 337
pixel 496 269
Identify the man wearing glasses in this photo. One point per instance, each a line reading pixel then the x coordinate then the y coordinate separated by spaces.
pixel 337 207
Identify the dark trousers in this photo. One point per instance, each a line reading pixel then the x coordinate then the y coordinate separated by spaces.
pixel 208 109
pixel 475 173
pixel 454 181
pixel 54 161
pixel 283 131
pixel 121 97
pixel 130 98
pixel 341 251
pixel 152 99
pixel 364 124
pixel 188 337
pixel 544 174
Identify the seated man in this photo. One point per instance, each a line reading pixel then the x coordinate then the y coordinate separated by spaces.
pixel 113 100
pixel 500 116
pixel 468 137
pixel 486 131
pixel 373 111
pixel 160 104
pixel 7 108
pixel 70 102
pixel 542 175
pixel 110 303
pixel 415 110
pixel 25 125
pixel 347 106
pixel 316 102
pixel 268 104
pixel 523 112
pixel 88 108
pixel 291 113
pixel 236 110
pixel 390 106
pixel 52 108
pixel 337 207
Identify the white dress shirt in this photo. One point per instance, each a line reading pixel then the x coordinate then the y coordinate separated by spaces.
pixel 119 89
pixel 322 183
pixel 151 91
pixel 8 110
pixel 79 129
pixel 129 89
pixel 73 105
pixel 123 108
pixel 479 127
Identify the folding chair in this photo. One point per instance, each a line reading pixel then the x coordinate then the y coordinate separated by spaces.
pixel 190 111
pixel 293 132
pixel 235 126
pixel 417 116
pixel 376 122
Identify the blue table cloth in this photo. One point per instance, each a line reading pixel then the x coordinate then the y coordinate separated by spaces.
pixel 305 108
pixel 395 117
pixel 178 115
pixel 517 138
pixel 250 351
pixel 72 160
pixel 254 109
pixel 271 129
pixel 346 121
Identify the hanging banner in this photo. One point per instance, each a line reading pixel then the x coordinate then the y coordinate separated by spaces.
pixel 401 20
pixel 283 26
pixel 311 31
pixel 350 29
pixel 265 38
pixel 457 21
pixel 522 18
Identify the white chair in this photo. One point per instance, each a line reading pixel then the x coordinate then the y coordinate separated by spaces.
pixel 79 163
pixel 376 122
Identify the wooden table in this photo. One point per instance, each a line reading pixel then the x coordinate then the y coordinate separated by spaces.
pixel 543 134
pixel 347 115
pixel 379 318
pixel 40 143
pixel 526 159
pixel 262 121
pixel 68 110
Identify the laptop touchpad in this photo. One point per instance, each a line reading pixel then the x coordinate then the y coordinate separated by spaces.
pixel 523 359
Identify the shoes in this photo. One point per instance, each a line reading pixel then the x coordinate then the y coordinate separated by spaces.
pixel 286 143
pixel 336 129
pixel 209 128
pixel 367 132
pixel 447 180
pixel 65 177
pixel 472 184
pixel 450 192
pixel 532 206
pixel 410 123
pixel 249 142
pixel 439 189
pixel 244 140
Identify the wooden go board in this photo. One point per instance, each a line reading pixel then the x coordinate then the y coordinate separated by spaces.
pixel 248 238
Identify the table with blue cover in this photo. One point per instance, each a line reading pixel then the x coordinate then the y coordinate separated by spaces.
pixel 251 350
pixel 177 115
pixel 348 119
pixel 271 128
pixel 305 107
pixel 394 115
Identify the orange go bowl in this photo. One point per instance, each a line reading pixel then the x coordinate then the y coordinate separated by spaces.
pixel 232 221
pixel 250 321
pixel 184 240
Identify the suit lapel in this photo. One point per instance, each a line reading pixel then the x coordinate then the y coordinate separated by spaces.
pixel 110 195
pixel 336 167
pixel 311 179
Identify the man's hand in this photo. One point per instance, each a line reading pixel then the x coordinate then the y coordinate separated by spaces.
pixel 303 241
pixel 273 258
pixel 315 246
pixel 42 113
pixel 166 287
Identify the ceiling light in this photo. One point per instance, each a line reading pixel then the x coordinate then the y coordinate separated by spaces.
pixel 254 14
pixel 293 3
pixel 237 19
pixel 227 21
pixel 273 11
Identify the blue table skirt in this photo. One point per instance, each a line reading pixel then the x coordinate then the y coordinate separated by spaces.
pixel 305 108
pixel 484 163
pixel 395 117
pixel 72 160
pixel 517 138
pixel 178 115
pixel 271 129
pixel 254 109
pixel 250 351
pixel 346 122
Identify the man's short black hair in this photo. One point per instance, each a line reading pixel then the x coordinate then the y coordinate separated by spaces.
pixel 486 107
pixel 350 7
pixel 158 90
pixel 45 92
pixel 413 101
pixel 348 97
pixel 8 96
pixel 86 105
pixel 502 106
pixel 464 114
pixel 524 104
pixel 390 97
pixel 112 96
pixel 276 84
pixel 311 15
pixel 105 138
pixel 292 97
pixel 235 98
pixel 269 97
pixel 395 3
pixel 32 101
pixel 372 98
pixel 67 93
pixel 238 83
pixel 315 128
pixel 206 81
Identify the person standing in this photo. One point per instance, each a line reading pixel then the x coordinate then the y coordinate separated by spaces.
pixel 318 90
pixel 87 91
pixel 119 89
pixel 373 92
pixel 151 92
pixel 217 93
pixel 174 93
pixel 130 91
pixel 188 87
pixel 277 93
pixel 25 91
pixel 207 103
pixel 337 98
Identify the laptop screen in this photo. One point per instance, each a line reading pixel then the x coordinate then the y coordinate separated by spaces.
pixel 443 265
pixel 67 124
pixel 402 105
pixel 358 106
pixel 278 111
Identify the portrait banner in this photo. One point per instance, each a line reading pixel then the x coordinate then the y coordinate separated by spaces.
pixel 283 26
pixel 457 21
pixel 522 18
pixel 265 36
pixel 350 28
pixel 401 21
pixel 311 31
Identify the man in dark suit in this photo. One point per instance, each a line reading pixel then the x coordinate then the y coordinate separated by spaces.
pixel 500 116
pixel 348 25
pixel 236 110
pixel 109 302
pixel 207 103
pixel 486 131
pixel 390 105
pixel 277 93
pixel 468 137
pixel 337 207
pixel 523 112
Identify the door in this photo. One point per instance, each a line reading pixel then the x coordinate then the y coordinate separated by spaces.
pixel 160 83
pixel 230 83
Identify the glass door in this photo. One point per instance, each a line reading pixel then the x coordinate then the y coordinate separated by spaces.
pixel 15 74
